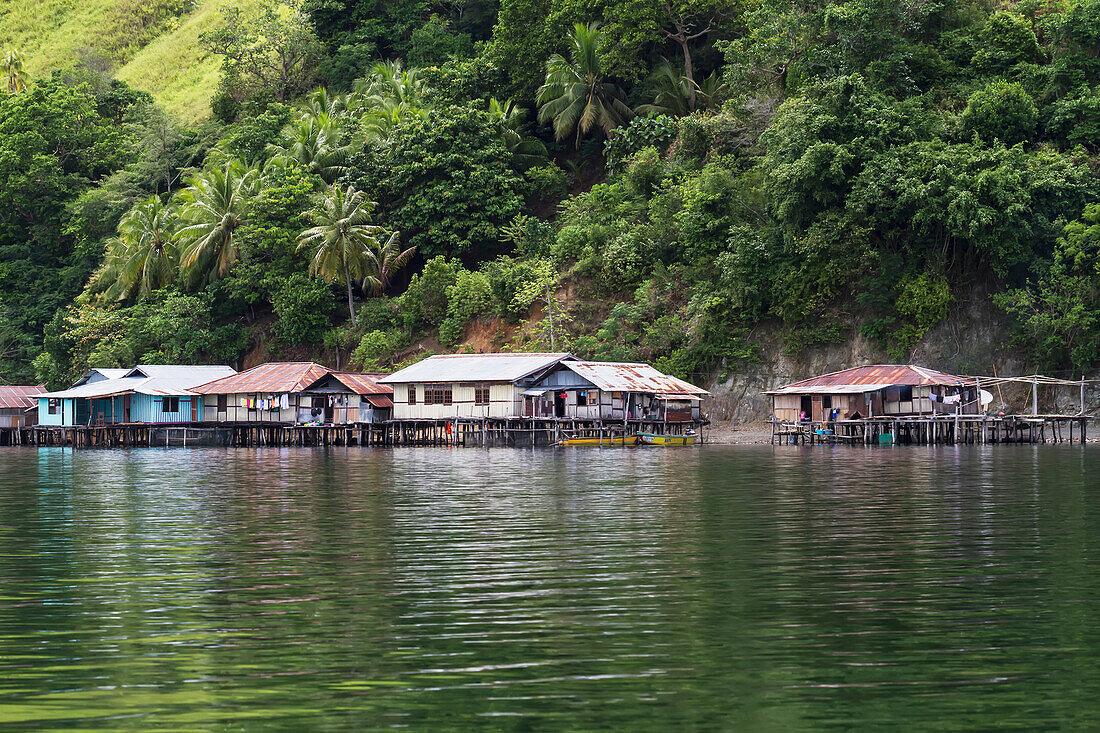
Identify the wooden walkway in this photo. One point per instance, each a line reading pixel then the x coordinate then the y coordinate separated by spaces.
pixel 460 432
pixel 936 430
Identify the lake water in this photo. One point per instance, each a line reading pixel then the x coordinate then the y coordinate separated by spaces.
pixel 735 588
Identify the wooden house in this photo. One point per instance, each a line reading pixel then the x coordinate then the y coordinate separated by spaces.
pixel 268 393
pixel 880 390
pixel 467 385
pixel 148 393
pixel 17 406
pixel 590 390
pixel 342 398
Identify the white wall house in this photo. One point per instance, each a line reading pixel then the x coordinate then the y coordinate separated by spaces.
pixel 589 390
pixel 467 385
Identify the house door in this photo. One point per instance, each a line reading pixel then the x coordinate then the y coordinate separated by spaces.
pixel 559 404
pixel 126 408
pixel 806 407
pixel 528 406
pixel 195 409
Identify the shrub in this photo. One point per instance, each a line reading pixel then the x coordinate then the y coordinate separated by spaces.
pixel 377 348
pixel 547 182
pixel 644 171
pixel 652 131
pixel 424 304
pixel 1001 111
pixel 468 298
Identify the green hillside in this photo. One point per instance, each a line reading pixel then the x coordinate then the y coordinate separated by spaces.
pixel 628 181
pixel 152 45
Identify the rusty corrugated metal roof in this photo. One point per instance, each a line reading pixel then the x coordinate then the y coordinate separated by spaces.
pixel 275 377
pixel 624 377
pixel 363 384
pixel 875 377
pixel 379 400
pixel 19 398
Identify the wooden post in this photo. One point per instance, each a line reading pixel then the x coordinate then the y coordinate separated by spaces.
pixel 1035 397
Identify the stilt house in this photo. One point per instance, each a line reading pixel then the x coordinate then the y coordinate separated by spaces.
pixel 148 393
pixel 876 391
pixel 268 393
pixel 468 385
pixel 17 406
pixel 589 390
pixel 343 398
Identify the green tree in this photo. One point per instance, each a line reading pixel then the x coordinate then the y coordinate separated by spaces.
pixel 576 97
pixel 273 50
pixel 144 257
pixel 341 240
pixel 212 208
pixel 445 182
pixel 54 146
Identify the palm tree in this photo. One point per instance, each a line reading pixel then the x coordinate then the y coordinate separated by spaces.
pixel 385 260
pixel 389 95
pixel 387 80
pixel 341 239
pixel 322 101
pixel 671 91
pixel 314 141
pixel 149 230
pixel 575 97
pixel 143 257
pixel 526 151
pixel 212 207
pixel 15 72
pixel 678 96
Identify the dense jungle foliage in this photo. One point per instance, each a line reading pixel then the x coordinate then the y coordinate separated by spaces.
pixel 624 179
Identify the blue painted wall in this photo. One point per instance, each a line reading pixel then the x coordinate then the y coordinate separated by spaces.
pixel 150 409
pixel 143 409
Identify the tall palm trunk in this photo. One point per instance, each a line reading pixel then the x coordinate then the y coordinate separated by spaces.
pixel 351 308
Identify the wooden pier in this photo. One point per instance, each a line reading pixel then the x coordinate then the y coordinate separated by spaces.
pixel 458 432
pixel 936 430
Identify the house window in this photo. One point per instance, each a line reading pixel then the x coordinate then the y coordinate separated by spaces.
pixel 905 394
pixel 170 404
pixel 412 394
pixel 53 406
pixel 481 395
pixel 439 394
pixel 582 398
pixel 223 403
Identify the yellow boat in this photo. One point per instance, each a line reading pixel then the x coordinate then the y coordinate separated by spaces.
pixel 616 441
pixel 655 439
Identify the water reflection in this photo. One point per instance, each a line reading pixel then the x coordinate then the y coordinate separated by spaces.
pixel 638 589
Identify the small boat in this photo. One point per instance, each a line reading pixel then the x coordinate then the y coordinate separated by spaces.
pixel 620 440
pixel 656 439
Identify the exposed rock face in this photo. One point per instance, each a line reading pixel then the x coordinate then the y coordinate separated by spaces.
pixel 973 341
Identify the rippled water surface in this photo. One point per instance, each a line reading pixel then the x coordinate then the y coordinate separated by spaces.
pixel 631 589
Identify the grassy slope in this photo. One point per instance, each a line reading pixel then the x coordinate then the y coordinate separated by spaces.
pixel 51 31
pixel 172 67
pixel 175 70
